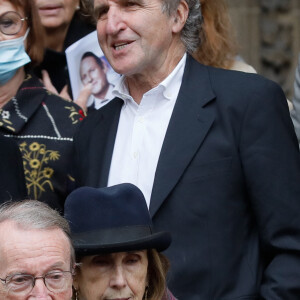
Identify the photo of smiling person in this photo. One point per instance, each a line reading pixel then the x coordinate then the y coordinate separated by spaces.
pixel 93 71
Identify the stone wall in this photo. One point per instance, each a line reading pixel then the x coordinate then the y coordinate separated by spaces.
pixel 268 32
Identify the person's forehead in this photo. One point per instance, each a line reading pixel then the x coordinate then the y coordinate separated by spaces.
pixel 90 60
pixel 6 6
pixel 121 2
pixel 32 248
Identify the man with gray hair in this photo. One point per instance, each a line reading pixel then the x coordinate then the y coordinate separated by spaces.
pixel 36 255
pixel 214 152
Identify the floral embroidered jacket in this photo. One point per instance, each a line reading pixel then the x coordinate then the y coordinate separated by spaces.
pixel 43 125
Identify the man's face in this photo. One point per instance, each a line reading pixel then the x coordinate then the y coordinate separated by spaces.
pixel 135 35
pixel 113 276
pixel 35 252
pixel 56 13
pixel 91 72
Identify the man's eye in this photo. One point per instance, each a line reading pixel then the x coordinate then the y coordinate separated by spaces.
pixel 130 3
pixel 54 276
pixel 16 280
pixel 133 3
pixel 100 13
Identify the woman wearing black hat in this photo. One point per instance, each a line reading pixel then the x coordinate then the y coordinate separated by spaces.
pixel 118 253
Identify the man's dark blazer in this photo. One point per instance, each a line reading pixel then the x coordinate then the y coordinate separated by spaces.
pixel 227 185
pixel 12 181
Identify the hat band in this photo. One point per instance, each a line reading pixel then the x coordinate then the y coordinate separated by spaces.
pixel 110 236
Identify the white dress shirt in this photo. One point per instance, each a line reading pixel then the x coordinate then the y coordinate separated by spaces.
pixel 141 132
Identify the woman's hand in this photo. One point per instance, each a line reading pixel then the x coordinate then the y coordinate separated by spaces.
pixel 83 95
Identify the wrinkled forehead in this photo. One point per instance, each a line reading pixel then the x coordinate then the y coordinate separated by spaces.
pixel 123 2
pixel 32 248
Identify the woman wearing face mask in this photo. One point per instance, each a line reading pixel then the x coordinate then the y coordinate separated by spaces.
pixel 64 23
pixel 41 123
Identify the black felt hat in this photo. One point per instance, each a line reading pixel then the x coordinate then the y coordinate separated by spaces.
pixel 111 219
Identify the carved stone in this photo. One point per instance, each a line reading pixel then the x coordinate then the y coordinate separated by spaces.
pixel 269 34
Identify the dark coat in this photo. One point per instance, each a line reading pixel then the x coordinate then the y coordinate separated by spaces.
pixel 43 125
pixel 226 185
pixel 12 181
pixel 55 62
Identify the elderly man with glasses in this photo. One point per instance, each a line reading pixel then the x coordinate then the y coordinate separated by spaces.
pixel 36 255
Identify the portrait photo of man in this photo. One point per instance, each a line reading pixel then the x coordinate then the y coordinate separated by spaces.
pixel 93 70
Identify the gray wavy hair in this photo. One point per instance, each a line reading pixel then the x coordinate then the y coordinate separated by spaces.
pixel 191 30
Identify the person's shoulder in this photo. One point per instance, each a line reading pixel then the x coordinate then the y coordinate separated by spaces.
pixel 63 110
pixel 239 65
pixel 218 75
pixel 241 81
pixel 236 88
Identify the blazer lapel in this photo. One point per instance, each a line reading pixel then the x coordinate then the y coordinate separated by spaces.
pixel 188 127
pixel 103 141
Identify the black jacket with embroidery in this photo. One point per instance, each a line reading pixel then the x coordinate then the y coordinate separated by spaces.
pixel 43 125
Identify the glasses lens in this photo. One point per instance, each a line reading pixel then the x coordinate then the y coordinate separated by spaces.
pixel 19 283
pixel 10 23
pixel 58 281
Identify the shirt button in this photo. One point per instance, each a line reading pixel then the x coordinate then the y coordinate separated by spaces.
pixel 135 154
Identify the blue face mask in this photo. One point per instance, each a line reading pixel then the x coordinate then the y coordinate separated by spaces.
pixel 12 57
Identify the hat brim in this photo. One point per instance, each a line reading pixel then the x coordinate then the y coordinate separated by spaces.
pixel 91 243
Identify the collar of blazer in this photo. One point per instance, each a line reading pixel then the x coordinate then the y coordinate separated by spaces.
pixel 188 127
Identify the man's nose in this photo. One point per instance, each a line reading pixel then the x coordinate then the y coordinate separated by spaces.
pixel 39 291
pixel 89 78
pixel 115 21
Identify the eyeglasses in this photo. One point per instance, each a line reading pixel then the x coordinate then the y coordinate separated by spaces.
pixel 22 284
pixel 11 23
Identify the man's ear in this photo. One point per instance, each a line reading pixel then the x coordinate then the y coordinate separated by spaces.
pixel 180 16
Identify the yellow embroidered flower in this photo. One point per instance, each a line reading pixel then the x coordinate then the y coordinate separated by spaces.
pixel 48 172
pixel 34 163
pixel 38 173
pixel 33 174
pixel 23 145
pixel 34 146
pixel 54 155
